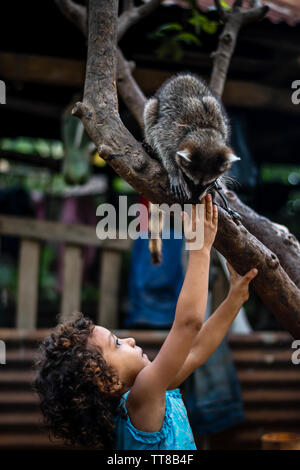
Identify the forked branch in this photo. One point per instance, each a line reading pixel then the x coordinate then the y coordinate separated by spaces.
pixel 132 15
pixel 99 113
pixel 233 20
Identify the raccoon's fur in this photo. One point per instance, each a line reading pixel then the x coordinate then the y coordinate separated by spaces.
pixel 188 128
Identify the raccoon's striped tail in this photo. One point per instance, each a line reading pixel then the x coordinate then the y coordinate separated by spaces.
pixel 154 231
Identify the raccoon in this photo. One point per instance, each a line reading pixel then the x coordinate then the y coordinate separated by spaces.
pixel 188 128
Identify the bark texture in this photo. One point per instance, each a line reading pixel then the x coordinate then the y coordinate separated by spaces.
pixel 99 113
pixel 277 237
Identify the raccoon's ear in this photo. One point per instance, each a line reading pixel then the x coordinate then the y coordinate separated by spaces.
pixel 232 158
pixel 227 158
pixel 184 154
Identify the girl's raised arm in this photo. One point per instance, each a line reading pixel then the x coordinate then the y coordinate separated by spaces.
pixel 152 382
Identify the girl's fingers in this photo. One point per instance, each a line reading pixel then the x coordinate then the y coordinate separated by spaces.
pixel 215 213
pixel 250 275
pixel 209 208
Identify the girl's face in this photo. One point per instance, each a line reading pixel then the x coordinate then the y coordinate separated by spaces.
pixel 122 355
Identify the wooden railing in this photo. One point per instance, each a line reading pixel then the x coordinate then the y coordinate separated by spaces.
pixel 32 234
pixel 270 386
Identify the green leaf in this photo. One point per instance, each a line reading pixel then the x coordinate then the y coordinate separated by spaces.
pixel 170 27
pixel 225 5
pixel 161 31
pixel 188 38
pixel 196 22
pixel 210 27
pixel 202 22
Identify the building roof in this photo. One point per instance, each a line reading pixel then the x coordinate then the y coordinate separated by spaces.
pixel 280 10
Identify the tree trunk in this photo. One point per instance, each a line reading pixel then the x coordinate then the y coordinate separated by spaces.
pixel 99 113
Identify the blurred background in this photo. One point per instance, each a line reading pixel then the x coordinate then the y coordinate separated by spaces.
pixel 52 180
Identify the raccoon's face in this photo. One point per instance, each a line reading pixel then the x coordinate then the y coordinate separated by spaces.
pixel 202 167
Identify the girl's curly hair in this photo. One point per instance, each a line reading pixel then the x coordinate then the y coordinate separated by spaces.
pixel 74 384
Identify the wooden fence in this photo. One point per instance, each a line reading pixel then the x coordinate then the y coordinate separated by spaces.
pixel 32 234
pixel 270 382
pixel 270 386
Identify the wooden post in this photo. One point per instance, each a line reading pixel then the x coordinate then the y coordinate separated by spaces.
pixel 109 287
pixel 28 284
pixel 72 276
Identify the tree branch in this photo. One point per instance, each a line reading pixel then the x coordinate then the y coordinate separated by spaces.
pixel 74 12
pixel 234 20
pixel 277 291
pixel 259 226
pixel 134 14
pixel 222 13
pixel 254 14
pixel 99 113
pixel 129 90
pixel 277 238
pixel 128 5
pixel 99 110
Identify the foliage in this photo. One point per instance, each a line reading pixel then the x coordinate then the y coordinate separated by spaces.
pixel 281 173
pixel 174 37
pixel 121 186
pixel 225 5
pixel 22 176
pixel 37 146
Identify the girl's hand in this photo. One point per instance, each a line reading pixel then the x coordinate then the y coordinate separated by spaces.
pixel 210 222
pixel 239 285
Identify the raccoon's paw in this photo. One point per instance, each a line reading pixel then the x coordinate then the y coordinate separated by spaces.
pixel 179 189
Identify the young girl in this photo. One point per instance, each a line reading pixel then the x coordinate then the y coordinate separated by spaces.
pixel 100 391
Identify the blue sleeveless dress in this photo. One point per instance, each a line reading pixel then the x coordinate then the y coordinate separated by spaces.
pixel 175 433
